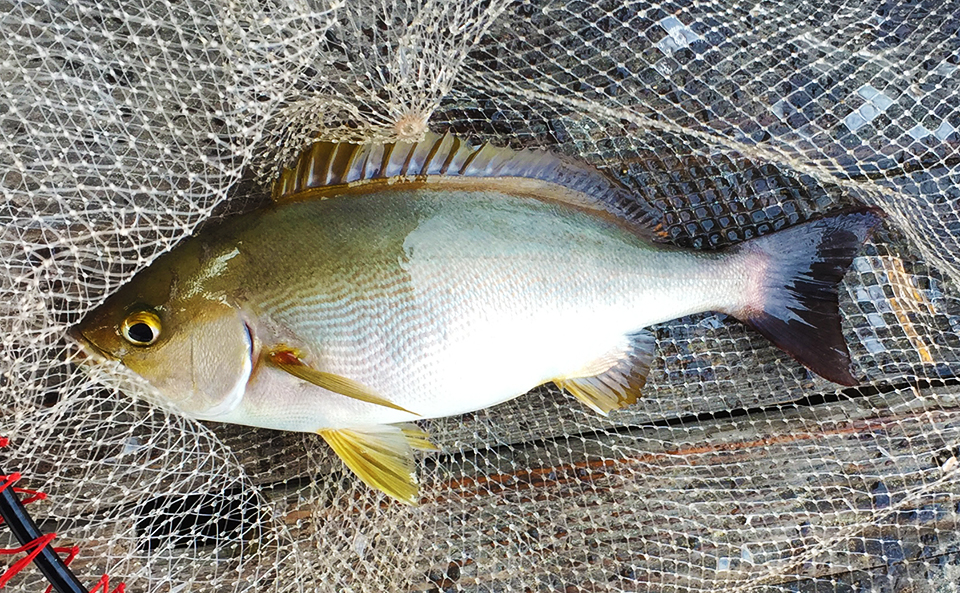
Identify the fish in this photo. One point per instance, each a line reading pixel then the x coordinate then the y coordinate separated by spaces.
pixel 392 283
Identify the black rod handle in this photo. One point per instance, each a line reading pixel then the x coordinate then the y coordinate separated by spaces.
pixel 15 516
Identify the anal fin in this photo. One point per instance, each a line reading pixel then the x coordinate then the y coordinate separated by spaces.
pixel 382 456
pixel 615 380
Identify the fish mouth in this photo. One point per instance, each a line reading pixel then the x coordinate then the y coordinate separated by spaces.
pixel 89 352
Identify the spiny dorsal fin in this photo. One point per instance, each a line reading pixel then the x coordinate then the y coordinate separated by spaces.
pixel 326 169
pixel 382 456
pixel 615 380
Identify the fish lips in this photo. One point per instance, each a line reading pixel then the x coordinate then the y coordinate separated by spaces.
pixel 89 352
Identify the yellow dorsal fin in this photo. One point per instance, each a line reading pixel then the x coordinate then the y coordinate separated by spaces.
pixel 327 169
pixel 288 360
pixel 614 380
pixel 382 456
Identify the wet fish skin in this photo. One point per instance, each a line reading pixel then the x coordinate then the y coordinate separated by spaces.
pixel 394 301
pixel 458 301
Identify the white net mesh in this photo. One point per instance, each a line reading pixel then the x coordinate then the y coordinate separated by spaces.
pixel 124 125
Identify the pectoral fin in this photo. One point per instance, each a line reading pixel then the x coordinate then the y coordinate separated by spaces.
pixel 382 456
pixel 615 380
pixel 289 361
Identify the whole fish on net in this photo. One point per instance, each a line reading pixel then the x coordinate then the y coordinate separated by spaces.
pixel 391 283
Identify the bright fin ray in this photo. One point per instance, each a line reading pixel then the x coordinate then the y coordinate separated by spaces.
pixel 615 380
pixel 382 456
pixel 288 361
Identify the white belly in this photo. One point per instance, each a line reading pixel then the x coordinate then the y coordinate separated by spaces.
pixel 485 322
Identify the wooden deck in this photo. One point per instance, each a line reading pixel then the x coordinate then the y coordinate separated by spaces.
pixel 848 491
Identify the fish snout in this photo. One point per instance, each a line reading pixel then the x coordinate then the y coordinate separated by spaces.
pixel 88 351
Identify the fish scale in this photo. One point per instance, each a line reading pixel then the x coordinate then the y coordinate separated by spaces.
pixel 525 266
pixel 472 276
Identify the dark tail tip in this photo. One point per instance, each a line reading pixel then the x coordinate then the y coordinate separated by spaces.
pixel 798 298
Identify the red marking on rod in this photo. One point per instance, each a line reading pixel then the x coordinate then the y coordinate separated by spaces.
pixel 34 495
pixel 36 546
pixel 71 554
pixel 4 441
pixel 105 583
pixel 73 551
pixel 33 548
pixel 8 480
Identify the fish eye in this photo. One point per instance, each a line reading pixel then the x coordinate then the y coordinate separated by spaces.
pixel 141 328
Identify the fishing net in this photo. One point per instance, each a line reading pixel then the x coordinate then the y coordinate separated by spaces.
pixel 126 125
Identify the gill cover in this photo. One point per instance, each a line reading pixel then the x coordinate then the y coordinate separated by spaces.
pixel 218 353
pixel 200 360
pixel 175 326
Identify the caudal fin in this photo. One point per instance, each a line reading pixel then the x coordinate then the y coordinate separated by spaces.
pixel 794 303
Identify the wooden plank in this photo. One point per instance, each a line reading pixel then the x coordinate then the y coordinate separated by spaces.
pixel 778 496
pixel 735 502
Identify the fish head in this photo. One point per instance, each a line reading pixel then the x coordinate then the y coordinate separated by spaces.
pixel 178 333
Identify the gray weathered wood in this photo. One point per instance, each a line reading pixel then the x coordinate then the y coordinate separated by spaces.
pixel 738 502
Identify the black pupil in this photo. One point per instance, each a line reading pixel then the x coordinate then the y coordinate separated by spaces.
pixel 141 332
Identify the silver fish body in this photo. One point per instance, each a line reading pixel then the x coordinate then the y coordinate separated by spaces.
pixel 451 301
pixel 395 283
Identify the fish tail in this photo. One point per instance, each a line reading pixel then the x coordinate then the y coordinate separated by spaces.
pixel 793 299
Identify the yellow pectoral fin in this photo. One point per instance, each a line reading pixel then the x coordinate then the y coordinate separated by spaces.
pixel 382 456
pixel 288 361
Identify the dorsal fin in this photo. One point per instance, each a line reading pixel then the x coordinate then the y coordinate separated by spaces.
pixel 326 169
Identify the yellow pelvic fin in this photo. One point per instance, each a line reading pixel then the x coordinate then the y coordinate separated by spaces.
pixel 289 361
pixel 614 380
pixel 382 456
